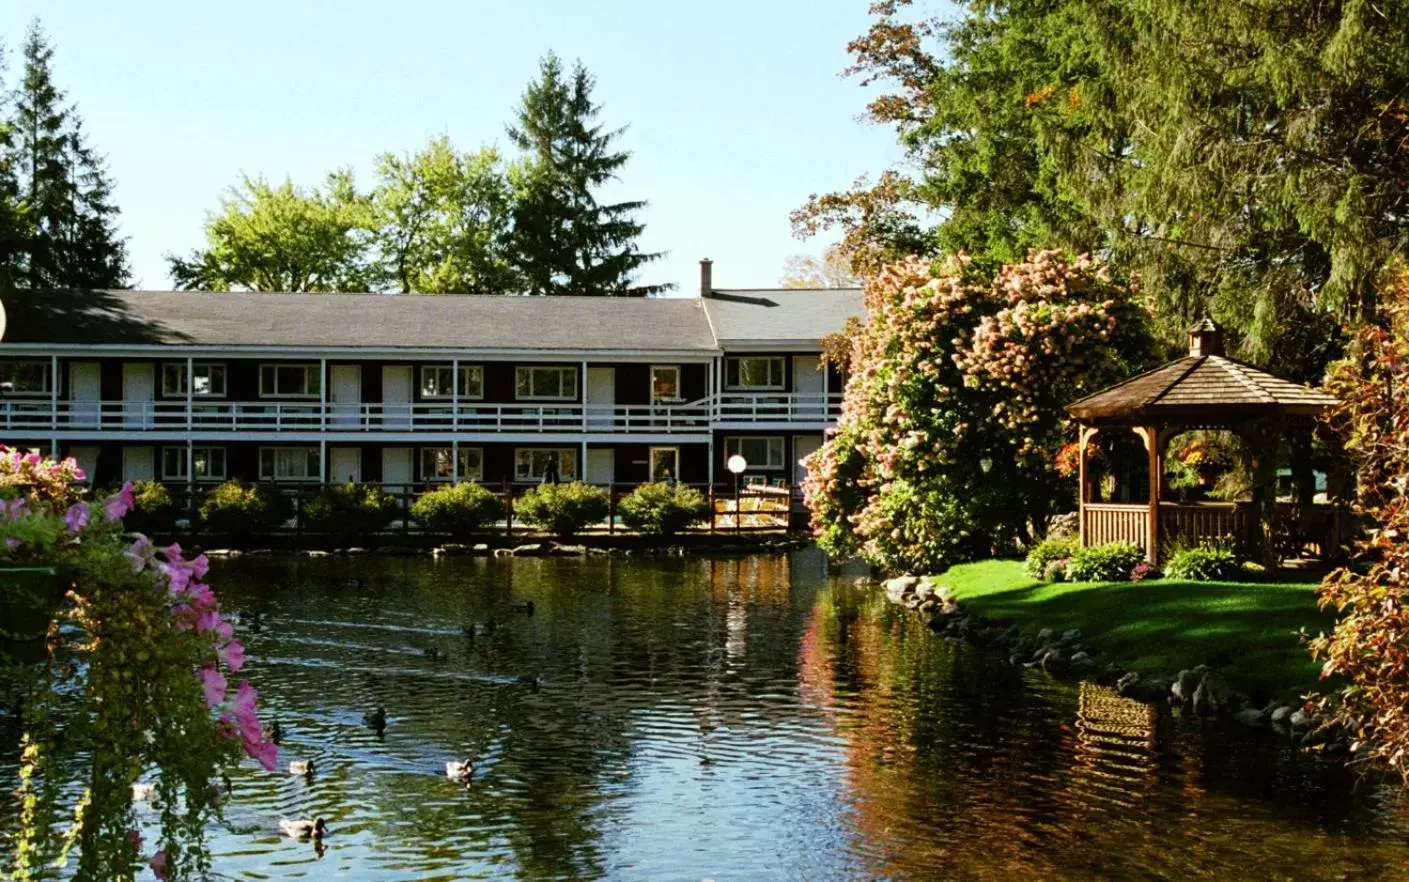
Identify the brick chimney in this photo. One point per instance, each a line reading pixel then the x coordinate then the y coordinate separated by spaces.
pixel 706 278
pixel 1206 338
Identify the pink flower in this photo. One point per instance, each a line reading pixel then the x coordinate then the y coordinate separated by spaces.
pixel 245 699
pixel 158 864
pixel 76 518
pixel 208 621
pixel 213 684
pixel 200 565
pixel 233 654
pixel 177 576
pixel 12 542
pixel 119 504
pixel 266 752
pixel 199 595
pixel 139 552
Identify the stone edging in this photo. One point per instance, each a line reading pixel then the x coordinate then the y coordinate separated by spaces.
pixel 536 548
pixel 1201 690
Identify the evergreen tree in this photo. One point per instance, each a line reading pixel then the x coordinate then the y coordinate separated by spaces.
pixel 564 240
pixel 67 232
pixel 10 208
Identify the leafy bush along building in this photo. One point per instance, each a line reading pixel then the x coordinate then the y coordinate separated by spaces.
pixel 418 391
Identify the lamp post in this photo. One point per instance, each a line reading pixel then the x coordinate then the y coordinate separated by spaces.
pixel 737 464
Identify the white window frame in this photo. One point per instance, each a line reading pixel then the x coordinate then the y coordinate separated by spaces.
pixel 429 471
pixel 310 369
pixel 196 452
pixel 738 360
pixel 469 373
pixel 733 444
pixel 562 370
pixel 13 367
pixel 314 459
pixel 651 462
pixel 564 454
pixel 665 368
pixel 177 370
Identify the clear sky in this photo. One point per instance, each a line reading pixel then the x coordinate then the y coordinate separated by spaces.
pixel 737 110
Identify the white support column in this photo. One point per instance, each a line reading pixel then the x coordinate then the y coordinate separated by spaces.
pixel 582 394
pixel 454 398
pixel 190 459
pixel 323 400
pixel 54 402
pixel 582 463
pixel 323 460
pixel 454 459
pixel 190 394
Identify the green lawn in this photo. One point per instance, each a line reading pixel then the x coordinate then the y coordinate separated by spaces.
pixel 1162 626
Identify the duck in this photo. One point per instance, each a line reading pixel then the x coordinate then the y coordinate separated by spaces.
pixel 301 767
pixel 354 583
pixel 526 607
pixel 304 829
pixel 273 732
pixel 528 680
pixel 375 719
pixel 458 771
pixel 143 792
pixel 433 654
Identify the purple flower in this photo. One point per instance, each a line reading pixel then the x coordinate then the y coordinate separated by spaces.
pixel 233 654
pixel 119 504
pixel 12 542
pixel 200 565
pixel 76 518
pixel 213 684
pixel 158 864
pixel 139 553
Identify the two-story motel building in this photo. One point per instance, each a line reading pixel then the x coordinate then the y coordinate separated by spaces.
pixel 190 387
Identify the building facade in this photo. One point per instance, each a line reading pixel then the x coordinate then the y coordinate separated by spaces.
pixel 190 387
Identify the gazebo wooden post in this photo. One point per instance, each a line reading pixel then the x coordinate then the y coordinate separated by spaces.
pixel 1151 436
pixel 1083 493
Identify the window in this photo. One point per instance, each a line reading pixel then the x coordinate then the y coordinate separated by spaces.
pixel 754 373
pixel 436 464
pixel 24 377
pixel 545 382
pixel 208 463
pixel 665 463
pixel 209 380
pixel 288 464
pixel 665 383
pixel 436 379
pixel 532 464
pixel 289 381
pixel 761 453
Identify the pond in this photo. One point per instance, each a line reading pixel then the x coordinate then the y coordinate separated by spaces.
pixel 730 720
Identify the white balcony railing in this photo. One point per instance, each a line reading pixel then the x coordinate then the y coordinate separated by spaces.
pixel 17 415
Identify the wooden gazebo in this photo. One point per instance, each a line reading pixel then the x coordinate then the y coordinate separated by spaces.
pixel 1203 390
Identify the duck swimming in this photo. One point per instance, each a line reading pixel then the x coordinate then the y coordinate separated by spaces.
pixel 375 719
pixel 303 829
pixel 144 792
pixel 301 767
pixel 274 733
pixel 459 772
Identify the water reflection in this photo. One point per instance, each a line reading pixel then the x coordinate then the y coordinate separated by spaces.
pixel 732 719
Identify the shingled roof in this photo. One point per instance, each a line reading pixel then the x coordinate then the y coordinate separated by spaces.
pixel 763 316
pixel 1203 383
pixel 259 319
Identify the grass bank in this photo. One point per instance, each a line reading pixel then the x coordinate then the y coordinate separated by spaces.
pixel 1163 626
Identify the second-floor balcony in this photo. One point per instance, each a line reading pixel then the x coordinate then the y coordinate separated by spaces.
pixel 44 415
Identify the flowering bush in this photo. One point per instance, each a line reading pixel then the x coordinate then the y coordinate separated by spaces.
pixel 563 509
pixel 135 682
pixel 1046 552
pixel 153 509
pixel 351 509
pixel 1142 571
pixel 243 509
pixel 1369 647
pixel 952 416
pixel 661 509
pixel 457 509
pixel 1113 562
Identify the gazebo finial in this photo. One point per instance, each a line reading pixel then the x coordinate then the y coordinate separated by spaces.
pixel 1206 338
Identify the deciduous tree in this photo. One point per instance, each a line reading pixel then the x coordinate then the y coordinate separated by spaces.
pixel 831 270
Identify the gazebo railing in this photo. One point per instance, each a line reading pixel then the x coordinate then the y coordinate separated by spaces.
pixel 1195 522
pixel 1105 522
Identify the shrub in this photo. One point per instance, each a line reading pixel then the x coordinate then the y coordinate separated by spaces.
pixel 563 509
pixel 153 511
pixel 243 509
pixel 1056 571
pixel 456 509
pixel 1105 563
pixel 1143 571
pixel 1044 553
pixel 1204 563
pixel 661 509
pixel 356 509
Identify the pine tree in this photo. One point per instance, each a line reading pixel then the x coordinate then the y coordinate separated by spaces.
pixel 68 227
pixel 564 240
pixel 10 209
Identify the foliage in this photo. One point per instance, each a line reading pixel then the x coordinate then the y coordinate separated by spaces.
pixel 1204 563
pixel 153 508
pixel 953 409
pixel 58 224
pixel 441 221
pixel 243 509
pixel 1046 552
pixel 831 270
pixel 1369 648
pixel 285 238
pixel 566 241
pixel 563 509
pixel 1113 562
pixel 1241 156
pixel 456 509
pixel 352 509
pixel 662 509
pixel 38 479
pixel 133 685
